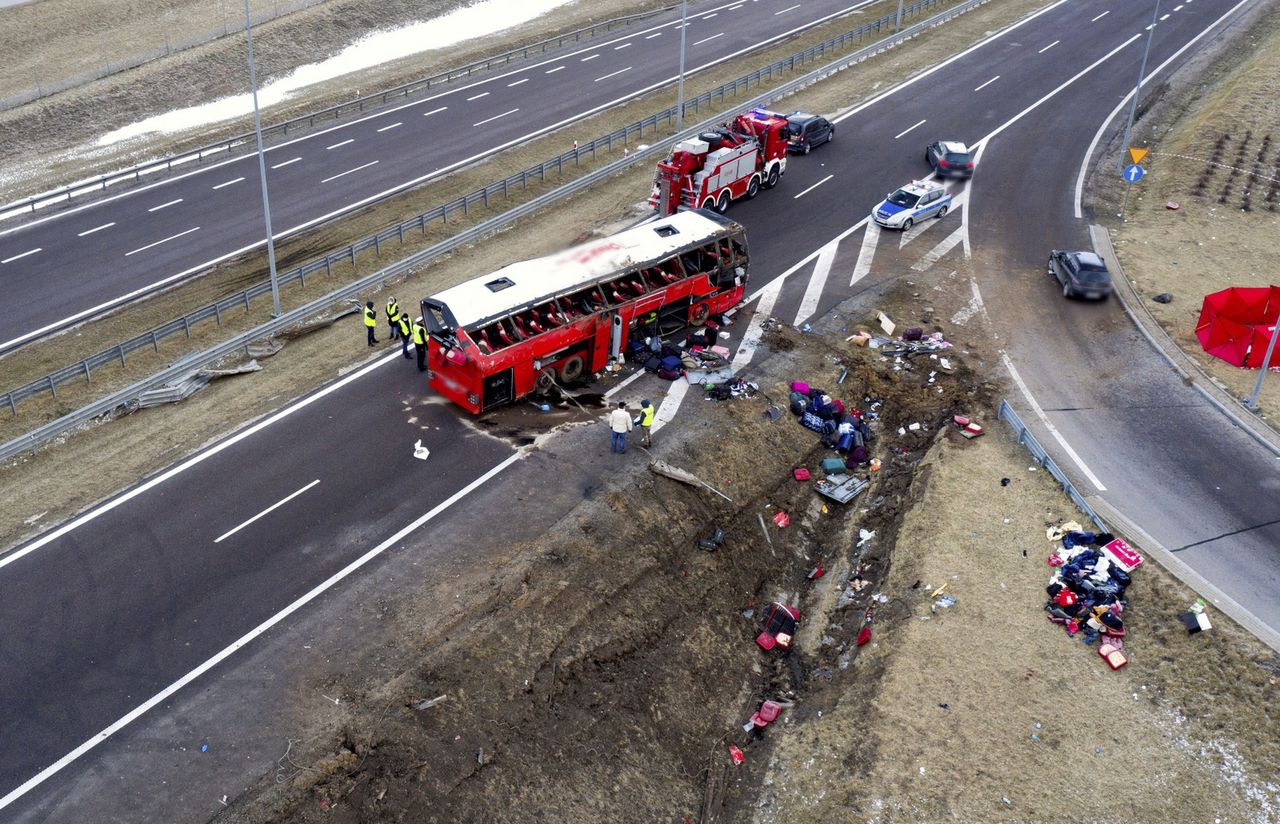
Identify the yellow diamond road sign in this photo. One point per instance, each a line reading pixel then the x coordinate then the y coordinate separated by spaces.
pixel 1137 154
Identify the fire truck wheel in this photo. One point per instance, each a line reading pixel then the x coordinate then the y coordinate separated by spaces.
pixel 545 380
pixel 571 369
pixel 700 314
pixel 722 202
pixel 709 203
pixel 753 188
pixel 772 180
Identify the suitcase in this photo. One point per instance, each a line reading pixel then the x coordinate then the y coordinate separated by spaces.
pixel 801 473
pixel 668 374
pixel 1123 555
pixel 833 466
pixel 653 364
pixel 1113 655
pixel 800 386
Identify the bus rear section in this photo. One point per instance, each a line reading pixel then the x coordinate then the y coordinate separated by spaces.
pixel 555 320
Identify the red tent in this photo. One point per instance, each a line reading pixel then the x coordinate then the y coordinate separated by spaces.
pixel 1237 323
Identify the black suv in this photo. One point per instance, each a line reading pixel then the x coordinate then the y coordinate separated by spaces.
pixel 807 131
pixel 949 159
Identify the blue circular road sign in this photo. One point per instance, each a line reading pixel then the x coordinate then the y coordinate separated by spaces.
pixel 1133 173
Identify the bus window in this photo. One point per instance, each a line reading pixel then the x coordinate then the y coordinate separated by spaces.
pixel 437 319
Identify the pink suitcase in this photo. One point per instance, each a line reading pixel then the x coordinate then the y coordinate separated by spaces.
pixel 1123 555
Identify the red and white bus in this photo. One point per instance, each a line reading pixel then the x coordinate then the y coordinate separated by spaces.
pixel 500 337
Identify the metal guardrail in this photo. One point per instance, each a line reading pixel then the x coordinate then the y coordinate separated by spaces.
pixel 198 360
pixel 83 370
pixel 224 147
pixel 171 46
pixel 1033 446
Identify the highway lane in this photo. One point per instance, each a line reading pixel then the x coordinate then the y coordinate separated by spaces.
pixel 278 463
pixel 89 258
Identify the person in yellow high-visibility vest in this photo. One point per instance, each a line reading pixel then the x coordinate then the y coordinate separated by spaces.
pixel 420 344
pixel 405 327
pixel 647 411
pixel 370 321
pixel 393 317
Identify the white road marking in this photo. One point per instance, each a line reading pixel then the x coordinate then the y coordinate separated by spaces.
pixel 613 74
pixel 21 256
pixel 286 163
pixel 478 96
pixel 708 39
pixel 817 283
pixel 228 183
pixel 968 190
pixel 339 145
pixel 349 171
pixel 935 254
pixel 789 8
pixel 811 188
pixel 518 82
pixel 1050 46
pixel 165 205
pixel 755 332
pixel 988 83
pixel 900 134
pixel 96 229
pixel 957 203
pixel 392 126
pixel 1095 64
pixel 655 34
pixel 1084 162
pixel 1150 27
pixel 623 46
pixel 589 57
pixel 735 8
pixel 266 511
pixel 158 242
pixel 162 696
pixel 556 69
pixel 434 111
pixel 670 404
pixel 1164 17
pixel 866 252
pixel 1100 16
pixel 495 117
pixel 1053 430
pixel 975 306
pixel 709 16
pixel 1177 8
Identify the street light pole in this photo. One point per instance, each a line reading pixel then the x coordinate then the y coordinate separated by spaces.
pixel 262 167
pixel 1266 359
pixel 684 21
pixel 1142 70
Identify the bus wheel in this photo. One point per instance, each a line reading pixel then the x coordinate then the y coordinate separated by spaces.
pixel 571 369
pixel 545 380
pixel 700 314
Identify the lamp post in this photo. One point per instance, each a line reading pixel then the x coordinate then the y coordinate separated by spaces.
pixel 1252 403
pixel 684 21
pixel 262 167
pixel 1142 70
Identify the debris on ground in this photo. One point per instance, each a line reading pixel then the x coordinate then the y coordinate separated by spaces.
pixel 1086 591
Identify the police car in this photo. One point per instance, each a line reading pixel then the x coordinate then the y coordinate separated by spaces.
pixel 915 201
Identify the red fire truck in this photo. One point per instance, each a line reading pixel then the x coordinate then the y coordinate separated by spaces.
pixel 736 160
pixel 530 325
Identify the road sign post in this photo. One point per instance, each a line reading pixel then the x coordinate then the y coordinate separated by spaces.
pixel 1131 174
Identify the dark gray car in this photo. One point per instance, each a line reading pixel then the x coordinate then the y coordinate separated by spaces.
pixel 807 131
pixel 1082 274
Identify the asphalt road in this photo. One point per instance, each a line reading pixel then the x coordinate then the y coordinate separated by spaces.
pixel 87 259
pixel 143 592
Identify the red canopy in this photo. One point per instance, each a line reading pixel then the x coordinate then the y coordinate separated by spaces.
pixel 1237 323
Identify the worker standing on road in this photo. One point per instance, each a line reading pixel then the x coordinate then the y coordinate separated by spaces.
pixel 645 419
pixel 619 425
pixel 405 328
pixel 370 321
pixel 420 343
pixel 393 317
